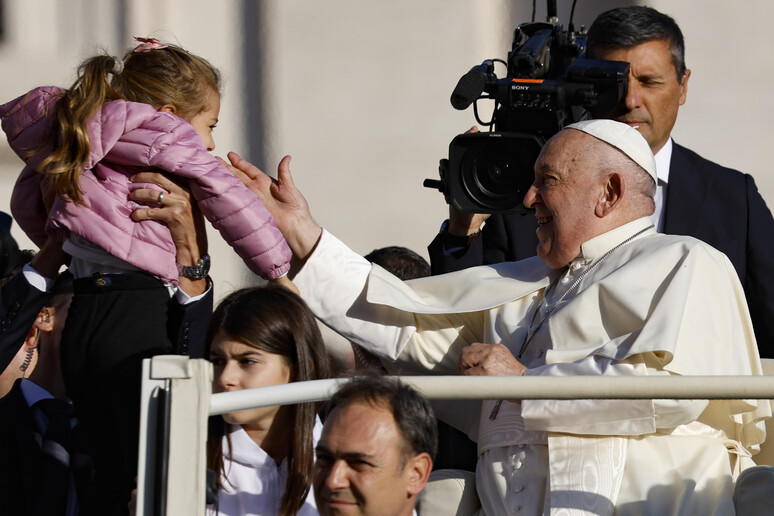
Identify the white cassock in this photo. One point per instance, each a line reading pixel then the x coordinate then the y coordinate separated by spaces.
pixel 659 304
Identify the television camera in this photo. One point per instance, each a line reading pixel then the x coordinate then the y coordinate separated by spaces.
pixel 549 84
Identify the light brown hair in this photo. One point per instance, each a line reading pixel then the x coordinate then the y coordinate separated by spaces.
pixel 157 77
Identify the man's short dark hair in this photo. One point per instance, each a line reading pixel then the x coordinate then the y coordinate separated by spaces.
pixel 412 412
pixel 400 261
pixel 627 27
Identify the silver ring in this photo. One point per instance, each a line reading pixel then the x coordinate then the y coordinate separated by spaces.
pixel 160 200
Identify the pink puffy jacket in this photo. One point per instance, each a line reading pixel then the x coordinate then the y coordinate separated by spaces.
pixel 124 137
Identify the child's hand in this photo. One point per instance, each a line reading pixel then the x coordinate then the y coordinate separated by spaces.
pixel 50 258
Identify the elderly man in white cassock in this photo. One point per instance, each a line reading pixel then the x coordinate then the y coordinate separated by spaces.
pixel 606 295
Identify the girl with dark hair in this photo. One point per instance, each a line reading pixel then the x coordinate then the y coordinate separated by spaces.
pixel 259 337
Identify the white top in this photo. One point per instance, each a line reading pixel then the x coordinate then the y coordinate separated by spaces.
pixel 254 484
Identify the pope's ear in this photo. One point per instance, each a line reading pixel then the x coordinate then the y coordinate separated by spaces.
pixel 613 190
pixel 419 469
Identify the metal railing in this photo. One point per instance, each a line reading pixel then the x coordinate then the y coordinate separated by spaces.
pixel 518 387
pixel 175 380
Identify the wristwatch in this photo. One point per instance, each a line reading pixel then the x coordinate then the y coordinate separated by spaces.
pixel 198 271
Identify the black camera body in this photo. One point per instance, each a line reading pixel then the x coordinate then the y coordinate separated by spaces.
pixel 482 174
pixel 550 84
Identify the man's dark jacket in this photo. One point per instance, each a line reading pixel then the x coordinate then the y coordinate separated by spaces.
pixel 21 469
pixel 20 304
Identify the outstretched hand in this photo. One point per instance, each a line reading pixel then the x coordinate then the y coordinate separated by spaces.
pixel 283 200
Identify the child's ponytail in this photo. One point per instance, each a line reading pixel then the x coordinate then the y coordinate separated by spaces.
pixel 91 89
pixel 153 73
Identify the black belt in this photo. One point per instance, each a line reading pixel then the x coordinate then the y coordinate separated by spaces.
pixel 107 282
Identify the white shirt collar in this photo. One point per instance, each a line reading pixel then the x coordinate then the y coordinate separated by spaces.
pixel 247 452
pixel 599 245
pixel 663 158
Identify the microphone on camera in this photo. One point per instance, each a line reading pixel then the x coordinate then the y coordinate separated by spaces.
pixel 471 85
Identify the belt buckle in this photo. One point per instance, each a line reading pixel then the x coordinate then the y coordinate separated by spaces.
pixel 101 281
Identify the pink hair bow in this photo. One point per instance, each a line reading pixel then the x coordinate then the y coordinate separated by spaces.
pixel 148 44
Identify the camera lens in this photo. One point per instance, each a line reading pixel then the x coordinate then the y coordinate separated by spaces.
pixel 490 172
pixel 496 180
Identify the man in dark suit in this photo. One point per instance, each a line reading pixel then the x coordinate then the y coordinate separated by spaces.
pixel 20 475
pixel 695 197
pixel 32 481
pixel 23 296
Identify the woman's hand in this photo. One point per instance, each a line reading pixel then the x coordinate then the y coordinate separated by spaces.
pixel 174 206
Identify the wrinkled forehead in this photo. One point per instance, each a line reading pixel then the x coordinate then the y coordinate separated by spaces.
pixel 572 140
pixel 568 151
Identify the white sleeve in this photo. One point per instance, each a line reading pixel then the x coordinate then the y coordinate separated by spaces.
pixel 36 279
pixel 333 282
pixel 182 297
pixel 606 417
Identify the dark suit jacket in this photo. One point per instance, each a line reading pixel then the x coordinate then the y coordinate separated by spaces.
pixel 20 303
pixel 715 204
pixel 187 325
pixel 22 462
pixel 20 456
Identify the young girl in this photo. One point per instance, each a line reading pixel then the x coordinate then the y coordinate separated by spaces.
pixel 259 337
pixel 155 109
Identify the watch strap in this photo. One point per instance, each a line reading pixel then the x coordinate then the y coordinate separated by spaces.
pixel 198 271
